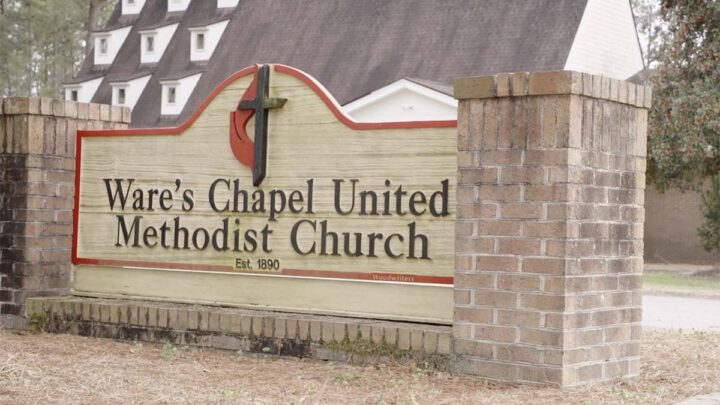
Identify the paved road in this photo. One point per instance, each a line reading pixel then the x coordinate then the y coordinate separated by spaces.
pixel 664 311
pixel 710 399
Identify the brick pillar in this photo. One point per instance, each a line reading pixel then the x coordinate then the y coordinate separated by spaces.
pixel 549 238
pixel 37 171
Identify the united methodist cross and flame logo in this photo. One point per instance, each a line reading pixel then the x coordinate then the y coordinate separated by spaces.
pixel 257 102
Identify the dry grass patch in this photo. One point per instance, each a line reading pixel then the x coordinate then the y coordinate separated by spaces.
pixel 75 370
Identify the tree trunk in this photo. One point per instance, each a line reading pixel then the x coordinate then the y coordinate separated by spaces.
pixel 31 51
pixel 93 14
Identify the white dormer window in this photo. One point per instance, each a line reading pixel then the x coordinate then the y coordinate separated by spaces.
pixel 200 41
pixel 103 46
pixel 227 3
pixel 176 92
pixel 128 92
pixel 121 96
pixel 119 93
pixel 171 94
pixel 130 7
pixel 82 92
pixel 178 5
pixel 72 92
pixel 108 44
pixel 154 42
pixel 205 39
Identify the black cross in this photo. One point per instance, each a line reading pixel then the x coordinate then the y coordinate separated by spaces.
pixel 262 103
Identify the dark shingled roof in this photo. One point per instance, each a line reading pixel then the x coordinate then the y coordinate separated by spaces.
pixel 113 28
pixel 181 75
pixel 133 76
pixel 353 47
pixel 161 24
pixel 84 78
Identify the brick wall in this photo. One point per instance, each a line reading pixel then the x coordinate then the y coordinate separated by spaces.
pixel 549 245
pixel 37 169
pixel 672 219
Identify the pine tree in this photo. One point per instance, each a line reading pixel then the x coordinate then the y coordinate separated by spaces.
pixel 42 43
pixel 652 31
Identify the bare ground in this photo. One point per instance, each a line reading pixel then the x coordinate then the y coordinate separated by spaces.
pixel 66 369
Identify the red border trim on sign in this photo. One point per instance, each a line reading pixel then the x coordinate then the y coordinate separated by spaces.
pixel 372 276
pixel 339 114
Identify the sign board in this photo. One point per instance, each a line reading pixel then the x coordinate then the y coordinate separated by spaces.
pixel 269 196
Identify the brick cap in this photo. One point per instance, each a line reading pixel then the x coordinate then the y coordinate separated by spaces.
pixel 552 83
pixel 60 108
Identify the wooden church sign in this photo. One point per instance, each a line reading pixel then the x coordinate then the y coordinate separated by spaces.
pixel 269 196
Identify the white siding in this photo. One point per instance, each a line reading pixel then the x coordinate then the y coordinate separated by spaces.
pixel 132 7
pixel 606 42
pixel 162 39
pixel 133 90
pixel 183 89
pixel 213 33
pixel 178 5
pixel 404 101
pixel 227 3
pixel 86 90
pixel 115 39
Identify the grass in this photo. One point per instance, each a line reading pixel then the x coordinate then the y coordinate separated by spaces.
pixel 64 369
pixel 707 283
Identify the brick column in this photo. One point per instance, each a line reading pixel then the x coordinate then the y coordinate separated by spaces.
pixel 37 169
pixel 551 175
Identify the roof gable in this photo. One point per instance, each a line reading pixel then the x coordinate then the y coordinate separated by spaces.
pixel 403 100
pixel 601 45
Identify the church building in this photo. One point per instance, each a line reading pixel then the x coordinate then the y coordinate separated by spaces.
pixel 382 60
